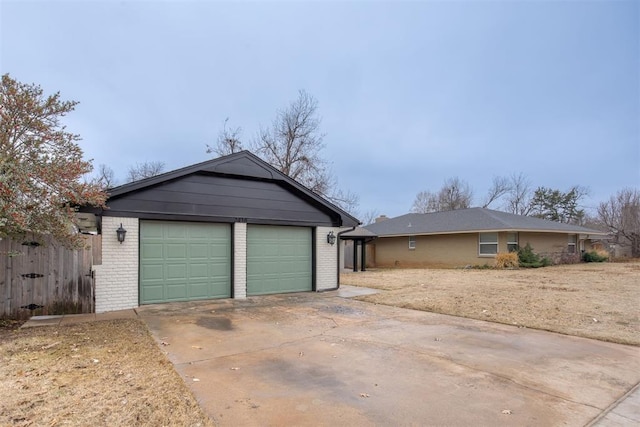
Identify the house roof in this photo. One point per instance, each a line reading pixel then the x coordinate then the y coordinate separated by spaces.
pixel 243 164
pixel 469 221
pixel 358 233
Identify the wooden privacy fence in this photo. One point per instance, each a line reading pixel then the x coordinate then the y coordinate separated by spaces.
pixel 39 276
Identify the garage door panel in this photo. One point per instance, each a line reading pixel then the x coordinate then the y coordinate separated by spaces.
pixel 152 272
pixel 199 290
pixel 198 232
pixel 152 251
pixel 199 271
pixel 278 259
pixel 154 231
pixel 218 270
pixel 184 261
pixel 176 250
pixel 176 231
pixel 176 291
pixel 218 250
pixel 198 250
pixel 177 272
pixel 154 293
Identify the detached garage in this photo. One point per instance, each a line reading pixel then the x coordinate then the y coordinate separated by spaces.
pixel 226 228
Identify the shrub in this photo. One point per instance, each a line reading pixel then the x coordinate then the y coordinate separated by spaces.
pixel 595 256
pixel 569 258
pixel 507 260
pixel 529 259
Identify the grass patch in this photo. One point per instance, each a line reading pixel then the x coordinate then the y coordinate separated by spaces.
pixel 108 373
pixel 594 300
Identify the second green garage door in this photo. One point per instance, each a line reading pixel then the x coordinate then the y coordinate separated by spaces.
pixel 279 259
pixel 182 261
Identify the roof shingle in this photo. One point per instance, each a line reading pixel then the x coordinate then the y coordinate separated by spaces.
pixel 469 221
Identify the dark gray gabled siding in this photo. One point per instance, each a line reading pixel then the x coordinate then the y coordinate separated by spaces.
pixel 221 199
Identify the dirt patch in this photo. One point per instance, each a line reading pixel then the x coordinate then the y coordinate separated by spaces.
pixel 108 373
pixel 588 300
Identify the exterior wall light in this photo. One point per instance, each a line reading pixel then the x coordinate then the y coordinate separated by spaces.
pixel 331 238
pixel 121 232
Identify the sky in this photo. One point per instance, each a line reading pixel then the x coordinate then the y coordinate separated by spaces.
pixel 409 93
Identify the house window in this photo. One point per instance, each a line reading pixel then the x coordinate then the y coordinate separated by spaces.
pixel 512 242
pixel 488 243
pixel 572 243
pixel 412 242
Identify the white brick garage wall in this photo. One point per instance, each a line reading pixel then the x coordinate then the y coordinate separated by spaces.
pixel 240 260
pixel 326 259
pixel 116 280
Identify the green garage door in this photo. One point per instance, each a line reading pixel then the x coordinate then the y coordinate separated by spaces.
pixel 278 259
pixel 182 261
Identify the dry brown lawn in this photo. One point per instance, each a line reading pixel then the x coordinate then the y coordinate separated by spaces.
pixel 112 373
pixel 108 373
pixel 597 300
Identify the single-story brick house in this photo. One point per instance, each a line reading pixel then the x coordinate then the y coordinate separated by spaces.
pixel 225 228
pixel 469 237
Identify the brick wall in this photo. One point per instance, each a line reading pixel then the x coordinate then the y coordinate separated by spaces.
pixel 239 260
pixel 116 279
pixel 326 259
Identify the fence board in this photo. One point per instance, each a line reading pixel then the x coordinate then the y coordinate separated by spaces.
pixel 66 285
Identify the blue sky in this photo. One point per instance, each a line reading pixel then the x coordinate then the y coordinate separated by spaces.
pixel 410 93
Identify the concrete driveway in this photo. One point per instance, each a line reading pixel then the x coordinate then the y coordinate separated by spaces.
pixel 321 359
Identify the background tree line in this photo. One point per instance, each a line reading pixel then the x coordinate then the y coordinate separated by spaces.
pixel 43 176
pixel 620 215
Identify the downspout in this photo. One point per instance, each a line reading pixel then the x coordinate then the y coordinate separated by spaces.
pixel 338 266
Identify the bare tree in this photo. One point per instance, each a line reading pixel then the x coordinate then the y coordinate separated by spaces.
pixel 144 170
pixel 455 194
pixel 345 199
pixel 369 217
pixel 293 145
pixel 621 215
pixel 106 177
pixel 499 187
pixel 425 202
pixel 228 141
pixel 518 197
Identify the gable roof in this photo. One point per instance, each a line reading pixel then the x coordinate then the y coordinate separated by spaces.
pixel 243 164
pixel 470 221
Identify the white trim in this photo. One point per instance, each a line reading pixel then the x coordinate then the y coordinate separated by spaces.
pixel 515 242
pixel 571 244
pixel 412 243
pixel 481 243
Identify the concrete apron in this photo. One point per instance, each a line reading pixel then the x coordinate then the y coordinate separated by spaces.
pixel 318 359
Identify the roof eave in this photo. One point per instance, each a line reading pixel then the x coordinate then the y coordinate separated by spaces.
pixel 501 230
